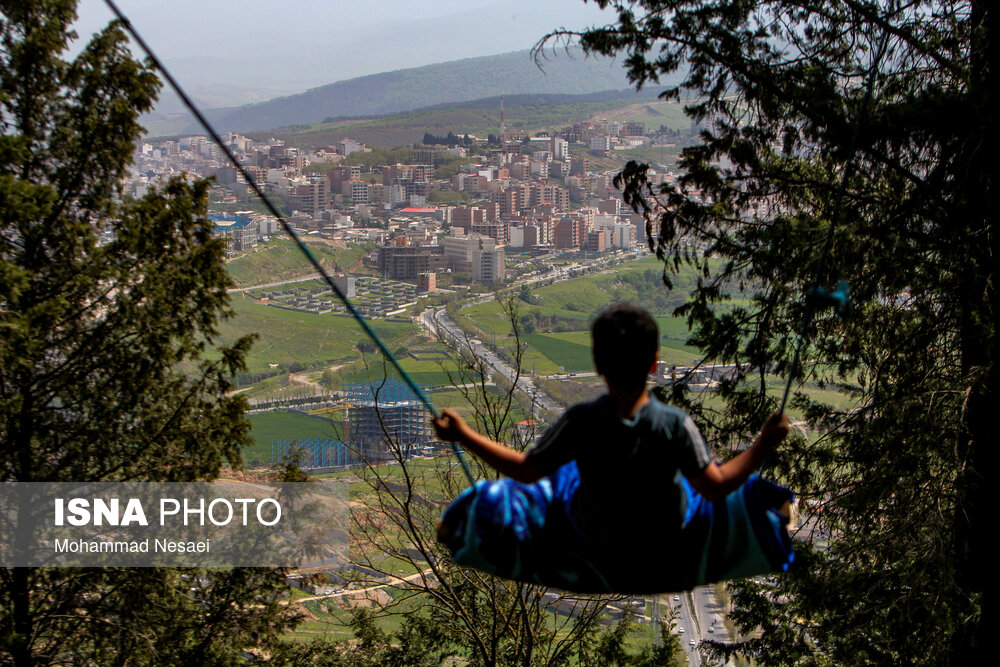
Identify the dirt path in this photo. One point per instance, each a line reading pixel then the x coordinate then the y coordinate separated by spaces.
pixel 301 378
pixel 396 581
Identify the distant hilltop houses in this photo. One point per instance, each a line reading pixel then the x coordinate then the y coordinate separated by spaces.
pixel 459 207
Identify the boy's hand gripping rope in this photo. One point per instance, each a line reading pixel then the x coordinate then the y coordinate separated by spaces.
pixel 284 224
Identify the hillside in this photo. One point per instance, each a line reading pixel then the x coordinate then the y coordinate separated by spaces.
pixel 414 88
pixel 529 113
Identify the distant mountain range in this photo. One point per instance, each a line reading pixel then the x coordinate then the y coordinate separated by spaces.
pixel 565 73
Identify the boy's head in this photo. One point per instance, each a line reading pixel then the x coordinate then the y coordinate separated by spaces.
pixel 625 341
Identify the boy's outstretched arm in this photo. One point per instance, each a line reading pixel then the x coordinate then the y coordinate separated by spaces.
pixel 719 480
pixel 510 462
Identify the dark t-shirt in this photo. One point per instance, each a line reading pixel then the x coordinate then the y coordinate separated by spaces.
pixel 627 467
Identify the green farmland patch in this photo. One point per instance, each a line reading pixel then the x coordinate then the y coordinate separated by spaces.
pixel 573 356
pixel 560 315
pixel 430 367
pixel 673 342
pixel 673 327
pixel 306 339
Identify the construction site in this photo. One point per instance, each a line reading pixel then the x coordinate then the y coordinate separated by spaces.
pixel 381 422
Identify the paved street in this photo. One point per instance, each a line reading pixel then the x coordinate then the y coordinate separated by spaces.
pixel 437 322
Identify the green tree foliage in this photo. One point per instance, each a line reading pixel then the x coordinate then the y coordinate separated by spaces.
pixel 446 168
pixel 418 642
pixel 379 155
pixel 451 139
pixel 647 288
pixel 103 301
pixel 780 91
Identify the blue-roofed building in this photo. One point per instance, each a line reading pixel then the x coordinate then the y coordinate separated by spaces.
pixel 240 230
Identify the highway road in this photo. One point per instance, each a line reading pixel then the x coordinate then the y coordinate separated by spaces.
pixel 699 617
pixel 437 321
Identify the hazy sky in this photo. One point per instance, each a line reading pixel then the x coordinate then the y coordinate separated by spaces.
pixel 253 49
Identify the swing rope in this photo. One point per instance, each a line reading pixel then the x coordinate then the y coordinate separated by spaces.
pixel 816 296
pixel 424 399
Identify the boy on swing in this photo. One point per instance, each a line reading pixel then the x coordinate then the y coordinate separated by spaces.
pixel 636 461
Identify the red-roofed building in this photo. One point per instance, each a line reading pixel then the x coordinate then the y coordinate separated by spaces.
pixel 419 212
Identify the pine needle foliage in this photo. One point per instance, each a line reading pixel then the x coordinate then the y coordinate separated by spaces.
pixel 872 118
pixel 107 307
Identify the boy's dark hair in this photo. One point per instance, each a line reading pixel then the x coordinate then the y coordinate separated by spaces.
pixel 625 342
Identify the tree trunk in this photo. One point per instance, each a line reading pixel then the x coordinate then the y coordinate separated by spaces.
pixel 979 349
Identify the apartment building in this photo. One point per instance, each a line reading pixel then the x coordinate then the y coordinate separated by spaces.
pixel 338 175
pixel 404 262
pixel 310 195
pixel 488 266
pixel 570 232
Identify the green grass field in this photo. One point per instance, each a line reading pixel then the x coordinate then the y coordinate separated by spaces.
pixel 567 307
pixel 651 154
pixel 428 372
pixel 286 336
pixel 565 349
pixel 280 259
pixel 673 346
pixel 652 114
pixel 281 425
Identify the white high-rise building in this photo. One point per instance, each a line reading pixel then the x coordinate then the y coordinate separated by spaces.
pixel 624 235
pixel 559 148
pixel 488 265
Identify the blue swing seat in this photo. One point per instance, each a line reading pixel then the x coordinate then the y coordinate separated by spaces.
pixel 529 533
